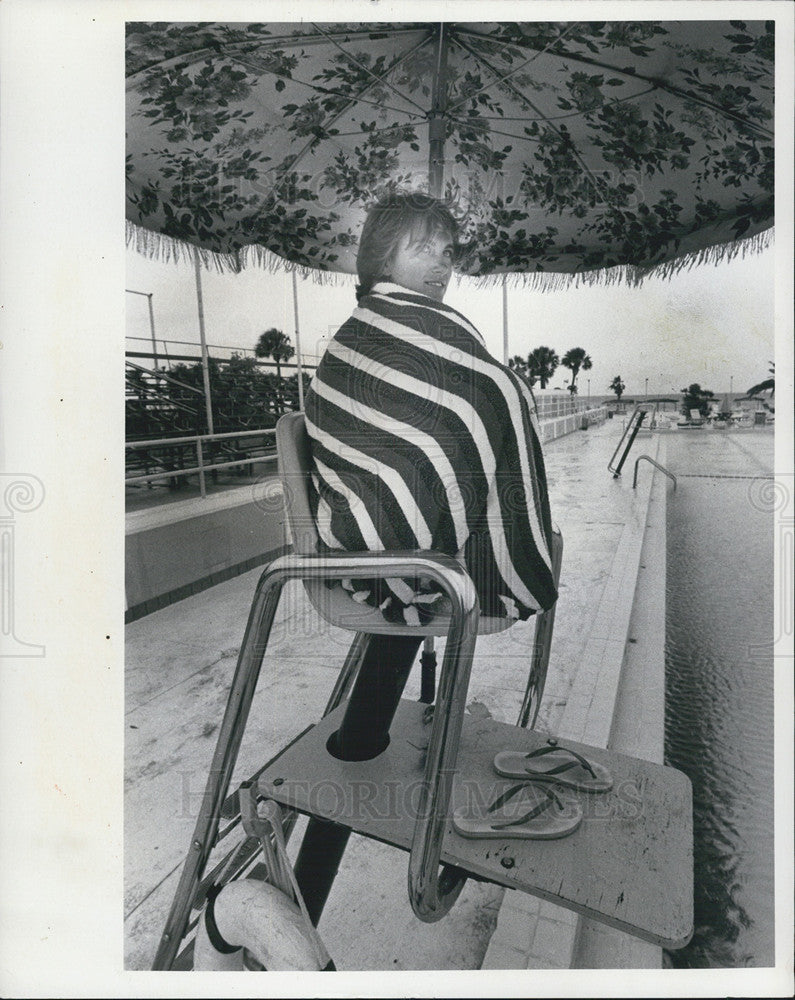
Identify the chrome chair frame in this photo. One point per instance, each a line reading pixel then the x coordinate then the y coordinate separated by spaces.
pixel 432 891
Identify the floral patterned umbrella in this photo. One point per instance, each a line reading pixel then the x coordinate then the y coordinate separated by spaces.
pixel 566 147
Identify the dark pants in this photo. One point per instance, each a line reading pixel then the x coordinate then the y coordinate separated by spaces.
pixel 363 734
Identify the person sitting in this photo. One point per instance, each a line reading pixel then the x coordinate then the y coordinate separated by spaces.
pixel 421 440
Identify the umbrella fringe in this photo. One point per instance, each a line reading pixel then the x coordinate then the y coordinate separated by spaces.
pixel 626 274
pixel 170 250
pixel 158 246
pixel 708 255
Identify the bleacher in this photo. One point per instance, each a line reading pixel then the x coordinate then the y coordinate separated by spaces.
pixel 167 425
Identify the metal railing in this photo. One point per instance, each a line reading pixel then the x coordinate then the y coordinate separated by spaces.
pixel 201 466
pixel 656 465
pixel 288 370
pixel 147 394
pixel 307 360
pixel 549 407
pixel 629 435
pixel 159 376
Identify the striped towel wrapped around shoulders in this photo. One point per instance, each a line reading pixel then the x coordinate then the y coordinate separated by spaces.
pixel 421 440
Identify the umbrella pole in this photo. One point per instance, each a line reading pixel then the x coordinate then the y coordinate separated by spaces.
pixel 298 344
pixel 152 330
pixel 205 357
pixel 436 122
pixel 504 320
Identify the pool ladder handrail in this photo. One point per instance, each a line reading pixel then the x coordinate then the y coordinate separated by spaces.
pixel 630 431
pixel 656 465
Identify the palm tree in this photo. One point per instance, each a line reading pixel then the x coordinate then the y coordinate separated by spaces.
pixel 767 384
pixel 275 344
pixel 618 387
pixel 576 359
pixel 518 364
pixel 541 365
pixel 696 398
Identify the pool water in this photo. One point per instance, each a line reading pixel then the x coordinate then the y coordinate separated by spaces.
pixel 719 685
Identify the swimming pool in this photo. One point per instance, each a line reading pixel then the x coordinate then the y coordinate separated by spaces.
pixel 719 685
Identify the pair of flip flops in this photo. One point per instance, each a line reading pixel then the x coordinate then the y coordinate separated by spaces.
pixel 531 809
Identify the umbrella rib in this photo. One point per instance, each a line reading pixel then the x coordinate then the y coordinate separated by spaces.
pixel 599 186
pixel 670 88
pixel 328 91
pixel 351 100
pixel 473 122
pixel 656 83
pixel 678 92
pixel 396 126
pixel 193 55
pixel 369 72
pixel 329 35
pixel 132 81
pixel 516 69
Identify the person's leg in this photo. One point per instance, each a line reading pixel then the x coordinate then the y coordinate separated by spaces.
pixel 363 733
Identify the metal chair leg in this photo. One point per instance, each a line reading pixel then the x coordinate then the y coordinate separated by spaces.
pixel 350 669
pixel 255 640
pixel 542 644
pixel 431 893
pixel 428 675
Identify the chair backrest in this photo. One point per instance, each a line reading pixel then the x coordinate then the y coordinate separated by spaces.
pixel 335 605
pixel 294 462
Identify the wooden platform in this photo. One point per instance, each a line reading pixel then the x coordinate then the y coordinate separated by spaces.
pixel 629 865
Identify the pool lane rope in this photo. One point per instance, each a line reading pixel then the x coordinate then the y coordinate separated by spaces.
pixel 715 475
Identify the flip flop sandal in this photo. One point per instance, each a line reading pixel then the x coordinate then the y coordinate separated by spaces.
pixel 549 817
pixel 557 764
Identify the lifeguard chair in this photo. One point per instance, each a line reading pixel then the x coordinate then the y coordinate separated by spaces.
pixel 646 835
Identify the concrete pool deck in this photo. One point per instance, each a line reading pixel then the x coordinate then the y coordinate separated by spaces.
pixel 605 686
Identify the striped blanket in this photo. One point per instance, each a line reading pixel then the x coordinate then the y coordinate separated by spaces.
pixel 421 440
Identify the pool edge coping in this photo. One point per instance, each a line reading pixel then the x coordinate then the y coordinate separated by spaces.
pixel 534 934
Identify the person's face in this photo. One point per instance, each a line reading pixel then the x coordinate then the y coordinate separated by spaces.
pixel 424 265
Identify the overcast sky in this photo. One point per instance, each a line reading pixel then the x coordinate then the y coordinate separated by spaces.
pixel 705 325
